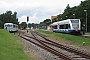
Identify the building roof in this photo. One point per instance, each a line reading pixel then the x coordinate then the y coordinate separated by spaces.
pixel 52 17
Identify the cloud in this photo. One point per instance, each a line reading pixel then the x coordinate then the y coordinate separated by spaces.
pixel 22 19
pixel 32 19
pixel 37 10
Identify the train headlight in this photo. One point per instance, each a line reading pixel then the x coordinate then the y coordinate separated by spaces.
pixel 76 30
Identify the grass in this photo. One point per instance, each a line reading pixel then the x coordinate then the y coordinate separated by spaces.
pixel 11 47
pixel 69 37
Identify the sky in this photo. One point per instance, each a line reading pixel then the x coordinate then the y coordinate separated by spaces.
pixel 37 10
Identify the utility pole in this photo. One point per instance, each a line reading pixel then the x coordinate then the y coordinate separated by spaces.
pixel 74 16
pixel 27 21
pixel 86 19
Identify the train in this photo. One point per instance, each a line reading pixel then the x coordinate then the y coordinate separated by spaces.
pixel 21 27
pixel 11 27
pixel 71 26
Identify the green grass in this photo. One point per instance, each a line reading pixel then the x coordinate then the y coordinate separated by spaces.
pixel 11 47
pixel 72 38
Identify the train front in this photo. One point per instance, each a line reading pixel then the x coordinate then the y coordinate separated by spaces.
pixel 75 26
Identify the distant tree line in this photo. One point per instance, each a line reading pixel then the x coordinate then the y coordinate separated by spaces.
pixel 8 17
pixel 44 24
pixel 77 12
pixel 30 25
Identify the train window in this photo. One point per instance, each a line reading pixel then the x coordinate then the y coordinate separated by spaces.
pixel 75 21
pixel 5 25
pixel 69 26
pixel 61 26
pixel 75 25
pixel 9 25
pixel 13 25
pixel 55 27
pixel 65 26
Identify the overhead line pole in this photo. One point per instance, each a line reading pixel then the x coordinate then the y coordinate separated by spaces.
pixel 86 19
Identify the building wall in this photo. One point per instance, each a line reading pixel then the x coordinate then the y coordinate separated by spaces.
pixel 52 17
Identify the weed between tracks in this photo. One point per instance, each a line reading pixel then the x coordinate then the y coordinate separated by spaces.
pixel 68 39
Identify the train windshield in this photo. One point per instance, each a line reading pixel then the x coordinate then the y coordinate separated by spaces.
pixel 8 25
pixel 75 24
pixel 54 27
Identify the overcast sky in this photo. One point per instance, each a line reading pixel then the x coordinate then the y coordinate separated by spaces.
pixel 37 10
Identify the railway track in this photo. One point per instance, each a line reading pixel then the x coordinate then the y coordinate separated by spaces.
pixel 56 48
pixel 82 53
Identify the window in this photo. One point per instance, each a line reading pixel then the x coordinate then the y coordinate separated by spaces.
pixel 75 24
pixel 55 27
pixel 13 25
pixel 61 26
pixel 74 21
pixel 69 26
pixel 64 26
pixel 8 25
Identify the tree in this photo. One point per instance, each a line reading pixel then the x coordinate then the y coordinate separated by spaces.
pixel 8 17
pixel 78 11
pixel 14 18
pixel 67 8
pixel 47 21
pixel 1 24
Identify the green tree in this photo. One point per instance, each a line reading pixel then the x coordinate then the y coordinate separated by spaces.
pixel 47 21
pixel 78 12
pixel 1 24
pixel 8 17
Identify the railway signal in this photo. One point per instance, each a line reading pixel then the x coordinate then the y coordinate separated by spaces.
pixel 27 18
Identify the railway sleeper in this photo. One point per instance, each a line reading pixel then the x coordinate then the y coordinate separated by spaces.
pixel 61 55
pixel 67 48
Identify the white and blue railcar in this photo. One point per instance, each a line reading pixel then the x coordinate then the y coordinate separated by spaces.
pixel 67 26
pixel 11 27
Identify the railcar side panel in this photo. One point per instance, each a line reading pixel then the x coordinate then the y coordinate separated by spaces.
pixel 11 27
pixel 67 26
